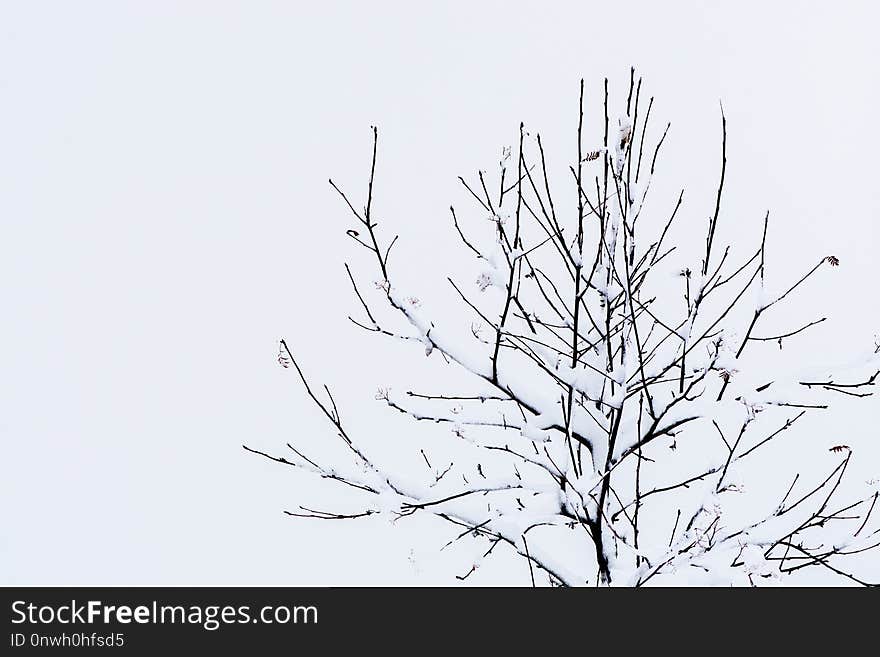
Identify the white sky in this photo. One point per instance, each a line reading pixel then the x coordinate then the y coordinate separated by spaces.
pixel 166 218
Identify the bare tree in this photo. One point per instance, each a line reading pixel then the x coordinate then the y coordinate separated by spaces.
pixel 598 383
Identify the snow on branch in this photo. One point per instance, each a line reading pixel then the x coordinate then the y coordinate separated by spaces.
pixel 607 374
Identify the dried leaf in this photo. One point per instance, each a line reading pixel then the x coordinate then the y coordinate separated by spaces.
pixel 283 359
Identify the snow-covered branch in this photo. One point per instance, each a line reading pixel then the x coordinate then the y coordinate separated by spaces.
pixel 599 389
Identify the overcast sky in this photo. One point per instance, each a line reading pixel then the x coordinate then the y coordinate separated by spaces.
pixel 166 218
